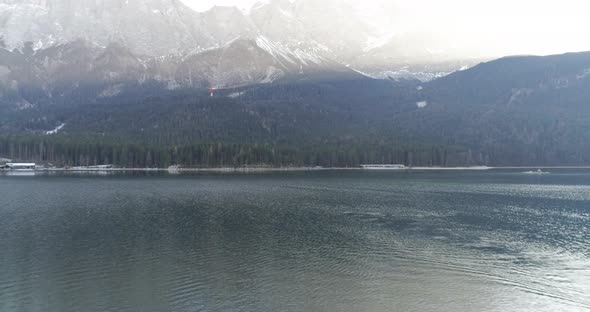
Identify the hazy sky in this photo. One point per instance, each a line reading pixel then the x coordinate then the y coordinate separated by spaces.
pixel 502 26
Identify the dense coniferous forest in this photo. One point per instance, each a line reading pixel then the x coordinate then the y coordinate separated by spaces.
pixel 64 151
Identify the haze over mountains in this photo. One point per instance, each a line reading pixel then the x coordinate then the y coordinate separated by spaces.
pixel 160 34
pixel 320 79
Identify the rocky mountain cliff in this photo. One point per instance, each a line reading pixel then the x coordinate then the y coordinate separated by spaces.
pixel 88 71
pixel 340 33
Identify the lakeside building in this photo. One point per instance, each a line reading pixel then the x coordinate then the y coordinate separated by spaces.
pixel 19 166
pixel 384 167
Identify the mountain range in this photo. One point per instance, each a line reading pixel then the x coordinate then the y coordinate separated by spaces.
pixel 165 41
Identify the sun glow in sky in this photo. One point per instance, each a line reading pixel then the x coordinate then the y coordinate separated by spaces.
pixel 501 26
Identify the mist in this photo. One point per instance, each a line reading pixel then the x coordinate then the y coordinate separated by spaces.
pixel 461 27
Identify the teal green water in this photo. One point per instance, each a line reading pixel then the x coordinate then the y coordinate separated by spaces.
pixel 321 241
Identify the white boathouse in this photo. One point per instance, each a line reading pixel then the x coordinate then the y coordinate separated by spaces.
pixel 20 166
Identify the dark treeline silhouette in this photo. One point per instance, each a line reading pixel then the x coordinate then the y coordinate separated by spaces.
pixel 66 151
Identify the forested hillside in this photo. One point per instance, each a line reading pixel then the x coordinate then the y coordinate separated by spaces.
pixel 513 111
pixel 520 110
pixel 315 123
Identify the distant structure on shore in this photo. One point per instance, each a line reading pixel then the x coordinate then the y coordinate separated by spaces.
pixel 18 166
pixel 97 167
pixel 384 167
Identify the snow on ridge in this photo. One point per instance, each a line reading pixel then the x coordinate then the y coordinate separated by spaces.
pixel 229 43
pixel 274 50
pixel 360 72
pixel 405 74
pixel 272 74
pixel 293 56
pixel 56 130
pixel 306 57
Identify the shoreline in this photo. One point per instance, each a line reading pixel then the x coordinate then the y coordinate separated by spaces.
pixel 285 169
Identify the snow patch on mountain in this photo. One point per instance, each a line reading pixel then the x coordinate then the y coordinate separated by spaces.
pixel 150 27
pixel 56 130
pixel 286 56
pixel 360 72
pixel 405 74
pixel 278 52
pixel 422 104
pixel 273 74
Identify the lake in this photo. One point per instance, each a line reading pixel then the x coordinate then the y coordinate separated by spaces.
pixel 497 240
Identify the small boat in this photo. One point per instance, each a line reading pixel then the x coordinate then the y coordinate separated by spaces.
pixel 538 172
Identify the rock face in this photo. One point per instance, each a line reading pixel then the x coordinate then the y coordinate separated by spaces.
pixel 88 71
pixel 346 29
pixel 150 27
pixel 161 27
pixel 54 47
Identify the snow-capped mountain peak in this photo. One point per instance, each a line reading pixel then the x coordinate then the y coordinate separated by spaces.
pixel 60 45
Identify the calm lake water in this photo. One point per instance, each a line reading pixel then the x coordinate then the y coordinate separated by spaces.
pixel 321 241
